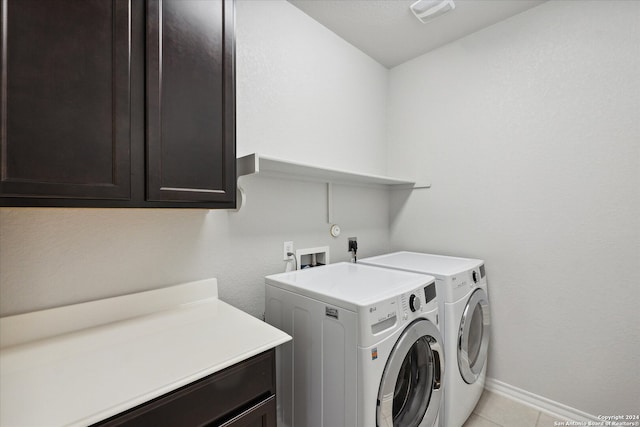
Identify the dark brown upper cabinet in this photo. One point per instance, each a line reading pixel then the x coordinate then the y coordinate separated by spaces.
pixel 120 103
pixel 65 99
pixel 187 66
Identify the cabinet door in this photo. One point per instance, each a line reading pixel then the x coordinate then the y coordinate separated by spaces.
pixel 190 101
pixel 261 415
pixel 241 395
pixel 64 102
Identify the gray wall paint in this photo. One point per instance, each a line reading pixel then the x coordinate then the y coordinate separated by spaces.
pixel 303 94
pixel 529 131
pixel 53 257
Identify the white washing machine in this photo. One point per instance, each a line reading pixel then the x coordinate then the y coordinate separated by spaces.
pixel 366 347
pixel 462 291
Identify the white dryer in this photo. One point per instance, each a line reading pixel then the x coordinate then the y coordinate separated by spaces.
pixel 366 347
pixel 462 291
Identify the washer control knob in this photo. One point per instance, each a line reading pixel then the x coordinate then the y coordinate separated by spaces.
pixel 474 276
pixel 414 303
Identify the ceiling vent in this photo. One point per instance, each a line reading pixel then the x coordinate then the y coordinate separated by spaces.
pixel 428 10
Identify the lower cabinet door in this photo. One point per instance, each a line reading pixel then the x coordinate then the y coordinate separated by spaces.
pixel 243 393
pixel 261 415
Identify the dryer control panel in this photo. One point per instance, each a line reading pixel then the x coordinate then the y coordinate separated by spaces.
pixel 459 285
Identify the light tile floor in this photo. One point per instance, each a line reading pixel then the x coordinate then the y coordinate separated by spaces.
pixel 494 410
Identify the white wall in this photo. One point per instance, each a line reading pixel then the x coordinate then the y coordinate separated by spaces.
pixel 316 102
pixel 529 131
pixel 303 94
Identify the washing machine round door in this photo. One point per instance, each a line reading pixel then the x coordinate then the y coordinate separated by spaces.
pixel 411 390
pixel 473 336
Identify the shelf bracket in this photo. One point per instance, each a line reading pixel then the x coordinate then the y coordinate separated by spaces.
pixel 241 198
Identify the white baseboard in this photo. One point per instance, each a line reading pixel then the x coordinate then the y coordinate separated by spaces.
pixel 553 408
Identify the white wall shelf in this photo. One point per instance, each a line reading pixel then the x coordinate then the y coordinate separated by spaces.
pixel 258 164
pixel 269 166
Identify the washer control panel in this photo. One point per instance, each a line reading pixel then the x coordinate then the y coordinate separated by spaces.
pixel 408 306
pixel 382 311
pixel 414 303
pixel 420 300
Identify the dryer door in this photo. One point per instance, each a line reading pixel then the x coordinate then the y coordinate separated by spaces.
pixel 411 388
pixel 473 336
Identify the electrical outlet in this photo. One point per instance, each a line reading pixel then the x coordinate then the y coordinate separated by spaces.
pixel 353 243
pixel 286 248
pixel 353 248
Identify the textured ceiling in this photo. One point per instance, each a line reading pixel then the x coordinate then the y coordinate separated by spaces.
pixel 387 31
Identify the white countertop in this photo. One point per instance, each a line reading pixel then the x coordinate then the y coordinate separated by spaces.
pixel 84 376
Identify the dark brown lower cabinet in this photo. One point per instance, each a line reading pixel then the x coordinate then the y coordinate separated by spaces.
pixel 261 415
pixel 242 395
